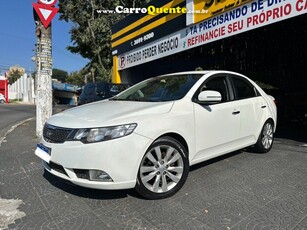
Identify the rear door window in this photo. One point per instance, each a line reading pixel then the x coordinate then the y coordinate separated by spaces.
pixel 243 88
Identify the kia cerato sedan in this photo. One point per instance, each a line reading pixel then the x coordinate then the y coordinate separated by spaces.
pixel 149 135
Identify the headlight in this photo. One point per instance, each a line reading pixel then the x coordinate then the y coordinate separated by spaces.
pixel 104 133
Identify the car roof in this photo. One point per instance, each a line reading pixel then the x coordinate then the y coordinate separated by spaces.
pixel 204 72
pixel 104 83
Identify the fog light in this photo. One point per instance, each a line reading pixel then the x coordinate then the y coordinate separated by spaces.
pixel 98 175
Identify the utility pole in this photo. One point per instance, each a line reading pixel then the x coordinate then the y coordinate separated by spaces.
pixel 43 13
pixel 43 79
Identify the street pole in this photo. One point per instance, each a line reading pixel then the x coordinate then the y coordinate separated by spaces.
pixel 43 13
pixel 43 80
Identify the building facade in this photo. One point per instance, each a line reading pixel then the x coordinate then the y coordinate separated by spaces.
pixel 260 38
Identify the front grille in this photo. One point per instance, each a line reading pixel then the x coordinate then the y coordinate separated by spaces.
pixel 53 134
pixel 57 168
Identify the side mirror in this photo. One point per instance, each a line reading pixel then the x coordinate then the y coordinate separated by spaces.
pixel 209 96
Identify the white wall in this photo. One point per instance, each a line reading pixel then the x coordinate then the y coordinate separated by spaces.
pixel 23 89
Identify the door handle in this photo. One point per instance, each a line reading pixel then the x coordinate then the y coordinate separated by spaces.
pixel 235 112
pixel 263 106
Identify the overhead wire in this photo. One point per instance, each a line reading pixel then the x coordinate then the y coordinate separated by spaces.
pixel 55 49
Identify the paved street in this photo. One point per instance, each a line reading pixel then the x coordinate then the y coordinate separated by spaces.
pixel 242 190
pixel 11 114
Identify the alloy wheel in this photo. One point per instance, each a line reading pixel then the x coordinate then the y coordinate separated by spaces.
pixel 161 169
pixel 267 135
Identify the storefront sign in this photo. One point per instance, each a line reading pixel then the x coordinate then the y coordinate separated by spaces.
pixel 160 48
pixel 241 19
pixel 204 9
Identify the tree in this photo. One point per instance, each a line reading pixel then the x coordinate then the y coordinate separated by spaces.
pixel 59 74
pixel 77 78
pixel 91 32
pixel 14 74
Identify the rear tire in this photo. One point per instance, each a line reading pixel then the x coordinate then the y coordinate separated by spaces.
pixel 163 169
pixel 266 137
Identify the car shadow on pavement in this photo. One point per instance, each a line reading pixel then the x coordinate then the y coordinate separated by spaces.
pixel 98 194
pixel 214 160
pixel 290 131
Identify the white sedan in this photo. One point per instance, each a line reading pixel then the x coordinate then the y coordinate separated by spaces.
pixel 147 136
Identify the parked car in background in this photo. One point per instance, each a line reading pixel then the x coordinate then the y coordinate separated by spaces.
pixel 99 91
pixel 2 98
pixel 148 136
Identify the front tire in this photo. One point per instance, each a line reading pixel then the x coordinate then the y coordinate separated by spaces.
pixel 163 169
pixel 266 137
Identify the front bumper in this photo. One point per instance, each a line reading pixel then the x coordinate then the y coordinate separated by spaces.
pixel 119 158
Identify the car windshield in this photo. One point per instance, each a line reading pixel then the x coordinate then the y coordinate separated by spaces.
pixel 163 88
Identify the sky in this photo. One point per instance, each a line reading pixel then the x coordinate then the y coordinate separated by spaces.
pixel 17 39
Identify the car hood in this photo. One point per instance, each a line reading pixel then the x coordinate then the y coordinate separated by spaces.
pixel 108 113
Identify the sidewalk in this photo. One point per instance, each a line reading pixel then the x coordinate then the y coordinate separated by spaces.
pixel 241 190
pixel 17 161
